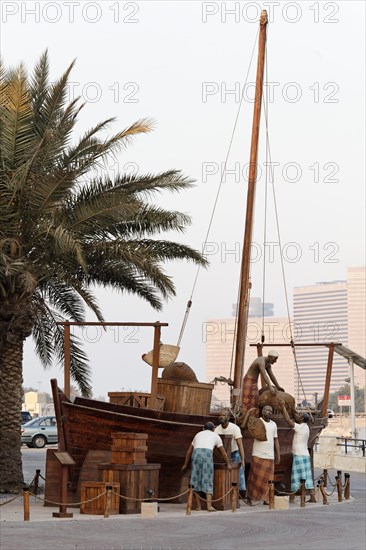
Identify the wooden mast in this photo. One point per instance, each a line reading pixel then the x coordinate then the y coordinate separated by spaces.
pixel 242 324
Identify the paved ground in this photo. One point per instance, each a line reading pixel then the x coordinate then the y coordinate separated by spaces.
pixel 333 527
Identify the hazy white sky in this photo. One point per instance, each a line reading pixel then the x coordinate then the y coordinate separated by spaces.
pixel 184 64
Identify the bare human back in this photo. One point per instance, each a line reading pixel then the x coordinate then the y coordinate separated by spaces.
pixel 263 366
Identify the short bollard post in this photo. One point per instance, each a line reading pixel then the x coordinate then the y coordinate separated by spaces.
pixel 189 501
pixel 271 495
pixel 234 496
pixel 108 499
pixel 36 482
pixel 325 477
pixel 347 487
pixel 339 487
pixel 322 490
pixel 26 503
pixel 302 493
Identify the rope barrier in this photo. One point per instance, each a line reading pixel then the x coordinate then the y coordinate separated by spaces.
pixel 216 499
pixel 114 493
pixel 121 496
pixel 11 500
pixel 330 494
pixel 153 499
pixel 332 484
pixel 68 503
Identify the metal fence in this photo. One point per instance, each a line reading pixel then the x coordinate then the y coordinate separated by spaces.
pixel 349 446
pixel 352 446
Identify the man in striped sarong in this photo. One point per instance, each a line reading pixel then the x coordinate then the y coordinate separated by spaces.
pixel 201 452
pixel 264 456
pixel 301 465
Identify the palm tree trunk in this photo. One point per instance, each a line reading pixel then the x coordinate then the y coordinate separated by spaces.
pixel 11 380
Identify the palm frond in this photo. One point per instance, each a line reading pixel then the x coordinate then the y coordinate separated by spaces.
pixel 53 100
pixel 65 300
pixel 39 88
pixel 49 341
pixel 16 118
pixel 148 184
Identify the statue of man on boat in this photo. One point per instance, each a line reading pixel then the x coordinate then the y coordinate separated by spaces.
pixel 271 393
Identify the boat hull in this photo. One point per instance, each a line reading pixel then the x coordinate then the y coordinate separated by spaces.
pixel 87 425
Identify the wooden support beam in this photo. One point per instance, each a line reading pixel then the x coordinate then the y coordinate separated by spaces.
pixel 155 366
pixel 327 380
pixel 67 359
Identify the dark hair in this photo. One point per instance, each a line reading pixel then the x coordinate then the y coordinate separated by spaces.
pixel 209 426
pixel 305 417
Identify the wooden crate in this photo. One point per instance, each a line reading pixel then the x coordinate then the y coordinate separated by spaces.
pixel 92 489
pixel 186 397
pixel 129 448
pixel 129 445
pixel 134 399
pixel 134 480
pixel 120 457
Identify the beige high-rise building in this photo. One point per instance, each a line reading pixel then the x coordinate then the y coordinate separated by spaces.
pixel 356 306
pixel 219 351
pixel 320 315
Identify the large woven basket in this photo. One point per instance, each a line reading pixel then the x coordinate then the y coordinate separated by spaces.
pixel 167 355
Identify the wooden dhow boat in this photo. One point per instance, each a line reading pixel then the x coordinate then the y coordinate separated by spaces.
pixel 174 410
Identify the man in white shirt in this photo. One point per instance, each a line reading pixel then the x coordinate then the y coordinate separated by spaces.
pixel 264 456
pixel 201 451
pixel 237 450
pixel 301 464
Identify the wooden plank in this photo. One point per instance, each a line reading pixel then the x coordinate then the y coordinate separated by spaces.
pixel 65 459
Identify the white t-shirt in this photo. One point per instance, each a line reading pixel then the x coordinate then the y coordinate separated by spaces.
pixel 206 440
pixel 233 430
pixel 265 449
pixel 300 440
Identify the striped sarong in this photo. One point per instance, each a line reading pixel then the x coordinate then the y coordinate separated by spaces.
pixel 202 470
pixel 301 469
pixel 250 394
pixel 261 471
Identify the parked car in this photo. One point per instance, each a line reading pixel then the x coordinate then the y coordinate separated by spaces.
pixel 39 432
pixel 330 413
pixel 26 417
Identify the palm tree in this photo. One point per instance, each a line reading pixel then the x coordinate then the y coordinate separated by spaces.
pixel 64 229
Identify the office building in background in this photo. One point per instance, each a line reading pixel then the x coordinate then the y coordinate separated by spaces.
pixel 323 312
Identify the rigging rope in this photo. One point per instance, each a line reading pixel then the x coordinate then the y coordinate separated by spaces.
pixel 268 149
pixel 265 102
pixel 217 196
pixel 238 293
